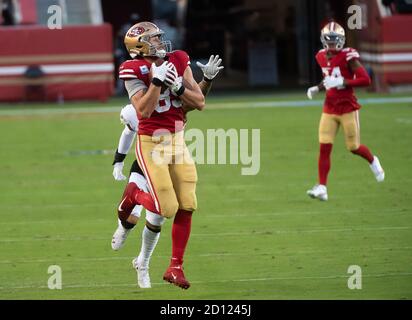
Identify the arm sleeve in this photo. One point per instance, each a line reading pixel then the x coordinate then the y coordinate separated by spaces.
pixel 360 79
pixel 126 140
pixel 133 86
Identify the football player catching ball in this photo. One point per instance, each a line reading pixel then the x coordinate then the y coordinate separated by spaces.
pixel 151 231
pixel 160 84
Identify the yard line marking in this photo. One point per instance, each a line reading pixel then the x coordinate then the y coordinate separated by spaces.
pixel 225 215
pixel 106 285
pixel 278 252
pixel 212 105
pixel 246 233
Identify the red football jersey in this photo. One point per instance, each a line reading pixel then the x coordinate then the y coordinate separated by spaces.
pixel 338 100
pixel 168 113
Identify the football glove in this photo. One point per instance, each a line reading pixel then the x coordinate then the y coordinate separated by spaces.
pixel 159 72
pixel 118 171
pixel 333 82
pixel 212 68
pixel 312 91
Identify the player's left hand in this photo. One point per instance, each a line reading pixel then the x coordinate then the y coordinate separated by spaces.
pixel 312 91
pixel 333 82
pixel 118 171
pixel 212 68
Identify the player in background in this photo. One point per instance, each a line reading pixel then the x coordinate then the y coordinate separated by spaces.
pixel 152 229
pixel 342 72
pixel 159 83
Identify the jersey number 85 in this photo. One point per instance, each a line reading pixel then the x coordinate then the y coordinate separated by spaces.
pixel 165 102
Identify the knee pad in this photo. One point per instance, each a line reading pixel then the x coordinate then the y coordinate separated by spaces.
pixel 352 146
pixel 169 210
pixel 188 201
pixel 155 219
pixel 137 211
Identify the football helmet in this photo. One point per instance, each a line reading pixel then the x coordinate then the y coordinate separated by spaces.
pixel 332 36
pixel 139 41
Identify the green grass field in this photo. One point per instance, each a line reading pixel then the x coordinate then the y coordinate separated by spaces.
pixel 253 237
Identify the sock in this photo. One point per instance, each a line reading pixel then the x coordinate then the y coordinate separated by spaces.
pixel 324 162
pixel 180 235
pixel 146 200
pixel 149 242
pixel 364 152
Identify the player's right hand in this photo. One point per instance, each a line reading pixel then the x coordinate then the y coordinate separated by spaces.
pixel 160 72
pixel 312 91
pixel 118 171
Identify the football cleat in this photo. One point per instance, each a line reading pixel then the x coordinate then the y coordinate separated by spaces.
pixel 377 169
pixel 175 275
pixel 143 278
pixel 119 237
pixel 319 191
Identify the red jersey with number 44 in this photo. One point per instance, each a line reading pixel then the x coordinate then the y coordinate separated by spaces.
pixel 338 100
pixel 168 114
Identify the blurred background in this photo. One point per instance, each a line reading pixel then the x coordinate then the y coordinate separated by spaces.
pixel 264 43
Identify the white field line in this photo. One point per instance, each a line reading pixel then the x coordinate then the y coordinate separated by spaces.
pixel 279 252
pixel 108 285
pixel 219 106
pixel 226 215
pixel 245 233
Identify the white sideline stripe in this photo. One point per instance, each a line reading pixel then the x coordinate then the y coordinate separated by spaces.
pixel 235 254
pixel 386 57
pixel 211 216
pixel 105 285
pixel 246 233
pixel 60 68
pixel 213 106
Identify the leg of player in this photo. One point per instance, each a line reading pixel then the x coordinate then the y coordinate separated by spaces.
pixel 351 127
pixel 128 221
pixel 328 128
pixel 150 237
pixel 124 227
pixel 180 236
pixel 184 177
pixel 374 163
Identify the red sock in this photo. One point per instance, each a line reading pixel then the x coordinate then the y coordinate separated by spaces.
pixel 364 152
pixel 180 235
pixel 324 162
pixel 146 200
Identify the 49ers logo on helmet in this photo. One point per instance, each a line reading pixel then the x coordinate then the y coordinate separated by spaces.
pixel 136 32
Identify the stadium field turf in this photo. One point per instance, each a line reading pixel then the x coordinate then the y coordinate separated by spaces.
pixel 253 237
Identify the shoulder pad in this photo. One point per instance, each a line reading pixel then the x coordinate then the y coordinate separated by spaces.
pixel 351 54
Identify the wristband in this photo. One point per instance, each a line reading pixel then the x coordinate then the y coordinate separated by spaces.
pixel 180 91
pixel 207 79
pixel 118 157
pixel 157 82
